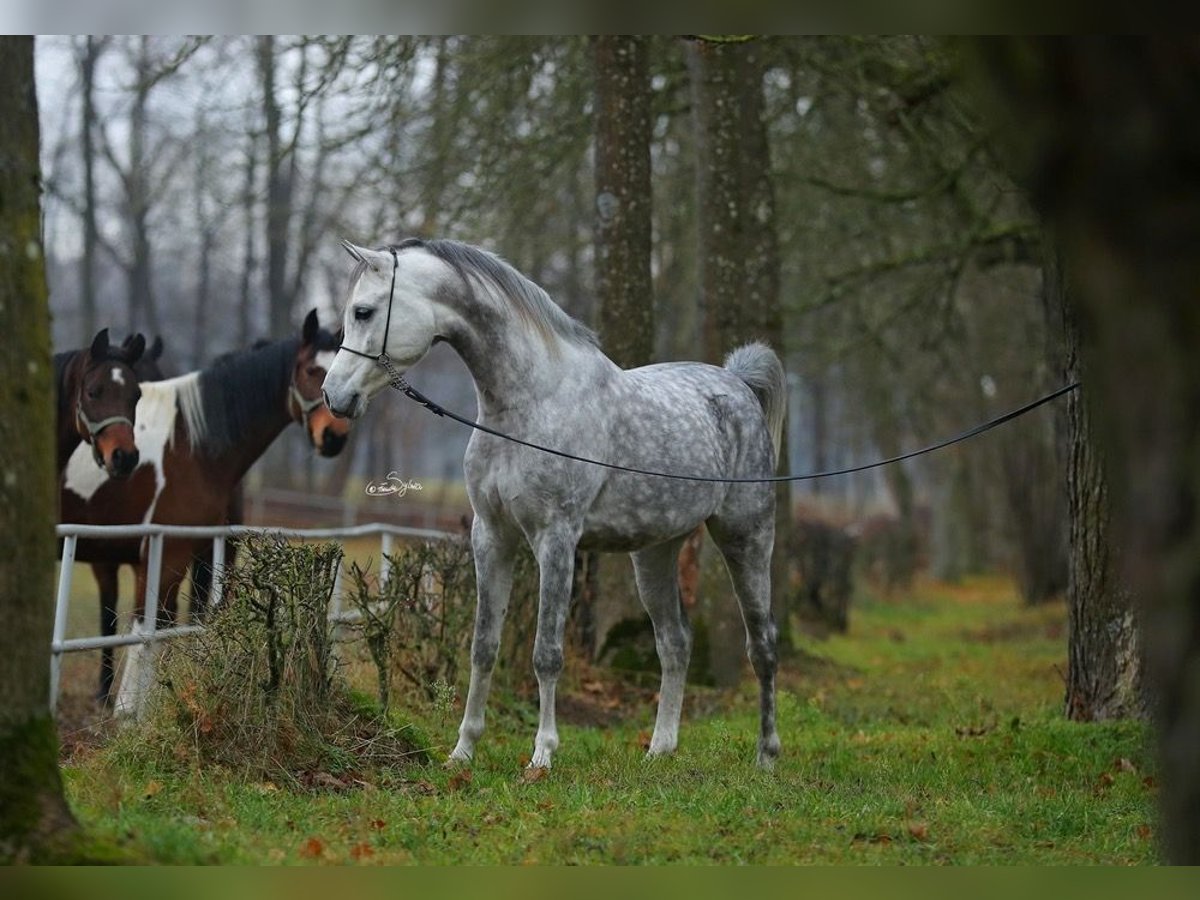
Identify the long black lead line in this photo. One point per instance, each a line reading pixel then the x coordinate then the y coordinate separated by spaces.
pixel 397 381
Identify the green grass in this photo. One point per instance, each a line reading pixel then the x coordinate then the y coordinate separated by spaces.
pixel 930 734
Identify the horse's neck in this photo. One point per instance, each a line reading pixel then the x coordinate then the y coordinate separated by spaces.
pixel 235 460
pixel 68 434
pixel 518 371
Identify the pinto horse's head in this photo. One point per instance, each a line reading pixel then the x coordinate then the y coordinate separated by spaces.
pixel 306 403
pixel 104 399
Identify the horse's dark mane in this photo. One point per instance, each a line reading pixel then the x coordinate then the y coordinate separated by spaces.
pixel 62 362
pixel 238 390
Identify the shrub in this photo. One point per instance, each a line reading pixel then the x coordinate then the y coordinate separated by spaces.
pixel 257 690
pixel 418 623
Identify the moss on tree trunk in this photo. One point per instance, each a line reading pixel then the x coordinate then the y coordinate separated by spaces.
pixel 35 823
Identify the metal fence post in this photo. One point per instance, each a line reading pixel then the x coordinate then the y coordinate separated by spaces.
pixel 385 551
pixel 62 605
pixel 138 675
pixel 217 587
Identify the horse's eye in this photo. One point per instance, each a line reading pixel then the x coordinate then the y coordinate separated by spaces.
pixel 93 393
pixel 362 313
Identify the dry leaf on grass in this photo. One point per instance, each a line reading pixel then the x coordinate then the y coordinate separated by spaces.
pixel 534 773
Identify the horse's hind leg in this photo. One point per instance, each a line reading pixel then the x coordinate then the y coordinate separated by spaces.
pixel 658 586
pixel 494 557
pixel 748 558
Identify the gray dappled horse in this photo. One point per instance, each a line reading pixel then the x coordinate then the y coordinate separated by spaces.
pixel 540 375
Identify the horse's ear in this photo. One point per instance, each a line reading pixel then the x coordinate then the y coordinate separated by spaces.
pixel 355 252
pixel 99 350
pixel 156 348
pixel 311 328
pixel 133 348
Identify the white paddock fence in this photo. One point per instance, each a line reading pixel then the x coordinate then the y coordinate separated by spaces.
pixel 137 678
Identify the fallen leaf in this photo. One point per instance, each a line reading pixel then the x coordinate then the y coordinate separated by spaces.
pixel 152 788
pixel 266 787
pixel 919 831
pixel 1149 782
pixel 1124 765
pixel 312 848
pixel 643 740
pixel 532 774
pixel 422 787
pixel 378 824
pixel 1105 779
pixel 361 851
pixel 459 780
pixel 1144 832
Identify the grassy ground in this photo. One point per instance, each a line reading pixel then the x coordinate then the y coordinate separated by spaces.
pixel 930 734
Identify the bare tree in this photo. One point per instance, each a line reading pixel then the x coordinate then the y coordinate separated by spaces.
pixel 738 249
pixel 1126 211
pixel 35 823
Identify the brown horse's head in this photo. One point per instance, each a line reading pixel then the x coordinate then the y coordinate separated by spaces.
pixel 104 395
pixel 306 403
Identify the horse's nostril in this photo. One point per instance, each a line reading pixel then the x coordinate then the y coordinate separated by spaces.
pixel 331 442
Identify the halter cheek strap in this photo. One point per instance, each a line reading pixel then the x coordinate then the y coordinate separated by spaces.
pixel 306 407
pixel 381 357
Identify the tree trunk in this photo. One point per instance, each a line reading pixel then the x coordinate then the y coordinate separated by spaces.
pixel 35 823
pixel 87 275
pixel 249 260
pixel 739 258
pixel 279 194
pixel 1109 146
pixel 1104 654
pixel 143 313
pixel 623 199
pixel 623 207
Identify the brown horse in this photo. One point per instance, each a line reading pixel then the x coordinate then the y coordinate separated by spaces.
pixel 198 435
pixel 97 394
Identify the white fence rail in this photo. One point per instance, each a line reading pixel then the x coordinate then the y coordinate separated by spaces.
pixel 131 696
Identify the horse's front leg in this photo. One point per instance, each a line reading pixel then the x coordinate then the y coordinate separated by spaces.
pixel 494 557
pixel 556 562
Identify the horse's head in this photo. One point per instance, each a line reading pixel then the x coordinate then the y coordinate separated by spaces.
pixel 105 399
pixel 305 400
pixel 393 301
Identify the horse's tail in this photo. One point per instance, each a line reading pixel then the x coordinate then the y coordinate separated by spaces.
pixel 759 366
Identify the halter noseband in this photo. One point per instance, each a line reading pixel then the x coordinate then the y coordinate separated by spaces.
pixel 94 428
pixel 306 407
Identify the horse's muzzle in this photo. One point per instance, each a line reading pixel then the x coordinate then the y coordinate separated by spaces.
pixel 331 442
pixel 122 463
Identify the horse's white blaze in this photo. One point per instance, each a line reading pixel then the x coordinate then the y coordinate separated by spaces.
pixel 324 359
pixel 118 376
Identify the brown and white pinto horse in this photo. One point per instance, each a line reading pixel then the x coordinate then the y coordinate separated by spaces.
pixel 198 435
pixel 97 394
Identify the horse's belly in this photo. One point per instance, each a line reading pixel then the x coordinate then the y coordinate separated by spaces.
pixel 624 521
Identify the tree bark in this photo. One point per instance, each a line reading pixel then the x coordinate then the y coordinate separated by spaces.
pixel 1104 662
pixel 623 199
pixel 87 276
pixel 1107 140
pixel 279 193
pixel 739 258
pixel 143 312
pixel 624 288
pixel 35 823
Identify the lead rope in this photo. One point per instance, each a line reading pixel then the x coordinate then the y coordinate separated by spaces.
pixel 398 382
